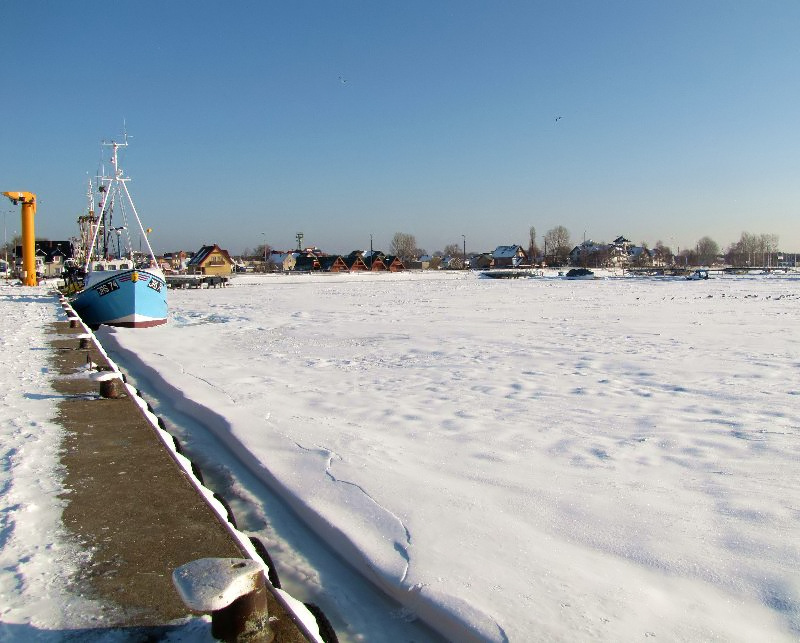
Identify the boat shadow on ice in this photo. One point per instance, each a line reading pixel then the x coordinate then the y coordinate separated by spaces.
pixel 449 615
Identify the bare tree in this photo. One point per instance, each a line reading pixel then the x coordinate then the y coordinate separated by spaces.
pixel 533 249
pixel 597 256
pixel 404 246
pixel 687 257
pixel 662 255
pixel 743 251
pixel 768 245
pixel 707 251
pixel 9 248
pixel 752 250
pixel 557 244
pixel 748 246
pixel 452 250
pixel 263 252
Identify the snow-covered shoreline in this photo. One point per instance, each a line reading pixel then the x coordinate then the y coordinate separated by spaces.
pixel 610 459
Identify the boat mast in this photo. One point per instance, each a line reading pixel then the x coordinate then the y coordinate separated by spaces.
pixel 112 188
pixel 122 182
pixel 86 225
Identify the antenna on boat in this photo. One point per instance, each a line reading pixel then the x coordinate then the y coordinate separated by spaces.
pixel 118 184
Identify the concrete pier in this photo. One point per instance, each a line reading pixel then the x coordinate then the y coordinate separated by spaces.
pixel 131 505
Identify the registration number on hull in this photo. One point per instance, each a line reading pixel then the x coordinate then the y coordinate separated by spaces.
pixel 106 288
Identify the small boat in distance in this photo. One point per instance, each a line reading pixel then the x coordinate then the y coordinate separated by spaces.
pixel 500 273
pixel 580 273
pixel 120 287
pixel 697 275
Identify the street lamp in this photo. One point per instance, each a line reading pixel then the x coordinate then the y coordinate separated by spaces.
pixel 464 239
pixel 264 234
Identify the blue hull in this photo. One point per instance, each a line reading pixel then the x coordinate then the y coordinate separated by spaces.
pixel 131 298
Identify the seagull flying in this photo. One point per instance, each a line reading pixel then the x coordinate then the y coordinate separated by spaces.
pixel 558 118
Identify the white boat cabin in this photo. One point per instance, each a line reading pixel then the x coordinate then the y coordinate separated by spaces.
pixel 113 264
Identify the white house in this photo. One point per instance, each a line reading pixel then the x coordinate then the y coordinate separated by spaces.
pixel 283 261
pixel 510 257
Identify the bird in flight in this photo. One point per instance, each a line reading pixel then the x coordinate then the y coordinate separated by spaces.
pixel 342 80
pixel 558 118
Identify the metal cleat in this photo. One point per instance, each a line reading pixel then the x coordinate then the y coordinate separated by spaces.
pixel 233 591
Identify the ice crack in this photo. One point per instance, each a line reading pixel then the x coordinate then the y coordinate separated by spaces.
pixel 401 548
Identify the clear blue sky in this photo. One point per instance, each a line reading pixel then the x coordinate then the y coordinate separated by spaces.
pixel 343 119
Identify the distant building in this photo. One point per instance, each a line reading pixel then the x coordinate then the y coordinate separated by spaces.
pixel 510 257
pixel 332 263
pixel 393 264
pixel 375 261
pixel 177 261
pixel 210 260
pixel 281 261
pixel 482 261
pixel 305 263
pixel 50 256
pixel 589 253
pixel 355 263
pixel 620 252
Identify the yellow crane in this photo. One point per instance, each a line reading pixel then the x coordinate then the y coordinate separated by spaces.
pixel 28 201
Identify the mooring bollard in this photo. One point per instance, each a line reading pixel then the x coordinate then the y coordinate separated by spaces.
pixel 110 385
pixel 84 340
pixel 233 591
pixel 74 322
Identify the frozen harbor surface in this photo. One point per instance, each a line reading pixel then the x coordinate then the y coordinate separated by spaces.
pixel 614 459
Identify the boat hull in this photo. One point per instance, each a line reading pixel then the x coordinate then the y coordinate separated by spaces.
pixel 129 298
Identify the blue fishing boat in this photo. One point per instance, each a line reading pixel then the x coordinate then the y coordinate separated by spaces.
pixel 120 287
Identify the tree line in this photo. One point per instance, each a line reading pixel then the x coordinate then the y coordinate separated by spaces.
pixel 555 246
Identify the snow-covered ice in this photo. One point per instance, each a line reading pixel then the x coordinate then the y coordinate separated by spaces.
pixel 613 459
pixel 512 460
